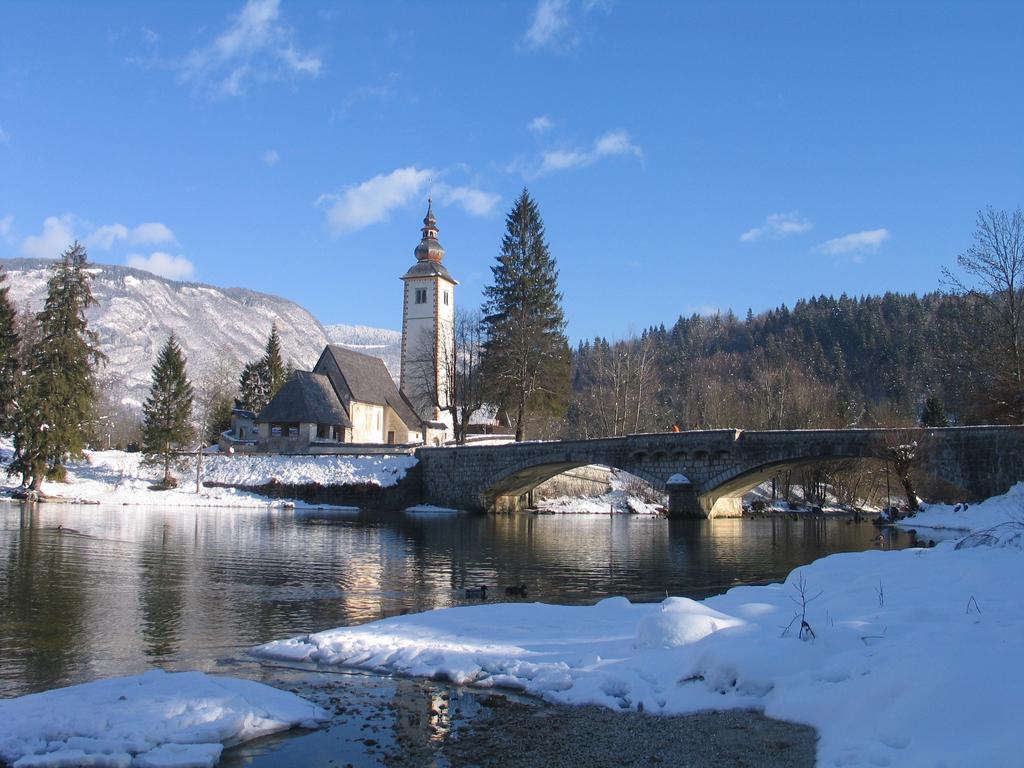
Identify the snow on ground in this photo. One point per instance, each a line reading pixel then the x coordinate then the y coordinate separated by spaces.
pixel 153 719
pixel 908 658
pixel 253 470
pixel 116 477
pixel 970 517
pixel 619 500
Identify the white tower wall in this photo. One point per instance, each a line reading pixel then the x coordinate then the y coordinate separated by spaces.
pixel 428 328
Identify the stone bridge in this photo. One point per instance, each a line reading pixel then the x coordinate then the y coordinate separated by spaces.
pixel 717 466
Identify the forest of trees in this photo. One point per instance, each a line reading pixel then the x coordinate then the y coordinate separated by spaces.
pixel 827 362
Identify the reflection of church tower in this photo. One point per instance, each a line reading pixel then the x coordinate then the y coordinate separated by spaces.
pixel 428 323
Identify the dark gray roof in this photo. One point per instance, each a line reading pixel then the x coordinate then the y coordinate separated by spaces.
pixel 427 268
pixel 369 381
pixel 306 397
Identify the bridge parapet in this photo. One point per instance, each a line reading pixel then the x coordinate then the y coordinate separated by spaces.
pixel 720 464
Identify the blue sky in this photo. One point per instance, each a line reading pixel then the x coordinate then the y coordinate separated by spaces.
pixel 686 156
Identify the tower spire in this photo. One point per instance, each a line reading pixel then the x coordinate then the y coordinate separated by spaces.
pixel 429 248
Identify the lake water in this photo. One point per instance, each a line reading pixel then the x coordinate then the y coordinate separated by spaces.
pixel 132 587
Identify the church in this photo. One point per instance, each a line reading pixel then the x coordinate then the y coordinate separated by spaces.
pixel 350 397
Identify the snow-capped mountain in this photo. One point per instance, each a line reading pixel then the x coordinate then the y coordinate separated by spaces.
pixel 219 329
pixel 379 342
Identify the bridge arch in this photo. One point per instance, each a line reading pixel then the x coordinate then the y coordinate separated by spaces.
pixel 719 464
pixel 505 492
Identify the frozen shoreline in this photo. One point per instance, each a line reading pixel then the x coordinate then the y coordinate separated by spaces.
pixel 116 477
pixel 920 648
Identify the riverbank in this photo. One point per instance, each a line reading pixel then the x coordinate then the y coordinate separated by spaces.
pixel 117 477
pixel 919 648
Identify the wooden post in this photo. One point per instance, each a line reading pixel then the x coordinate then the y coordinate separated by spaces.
pixel 199 468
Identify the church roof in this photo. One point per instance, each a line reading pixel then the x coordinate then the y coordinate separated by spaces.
pixel 369 382
pixel 306 398
pixel 428 268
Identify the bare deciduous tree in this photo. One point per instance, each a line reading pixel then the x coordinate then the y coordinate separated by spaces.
pixel 460 392
pixel 992 301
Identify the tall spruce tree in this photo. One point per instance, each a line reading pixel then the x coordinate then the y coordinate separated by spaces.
pixel 253 389
pixel 261 379
pixel 167 426
pixel 9 365
pixel 55 400
pixel 273 364
pixel 526 354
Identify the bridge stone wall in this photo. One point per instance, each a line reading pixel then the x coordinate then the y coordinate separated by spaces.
pixel 720 464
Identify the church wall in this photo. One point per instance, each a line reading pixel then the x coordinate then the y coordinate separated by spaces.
pixel 367 422
pixel 392 423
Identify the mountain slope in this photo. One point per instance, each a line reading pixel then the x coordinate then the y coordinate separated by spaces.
pixel 219 329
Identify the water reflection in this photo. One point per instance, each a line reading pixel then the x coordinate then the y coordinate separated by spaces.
pixel 189 588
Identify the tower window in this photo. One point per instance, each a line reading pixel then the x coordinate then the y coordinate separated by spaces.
pixel 421 295
pixel 446 298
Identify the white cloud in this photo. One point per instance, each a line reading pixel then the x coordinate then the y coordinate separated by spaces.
pixel 777 225
pixel 105 236
pixel 163 264
pixel 5 224
pixel 616 143
pixel 554 22
pixel 472 200
pixel 257 45
pixel 5 137
pixel 550 21
pixel 149 233
pixel 855 242
pixel 58 233
pixel 540 124
pixel 151 37
pixel 373 200
pixel 611 144
pixel 152 233
pixel 270 158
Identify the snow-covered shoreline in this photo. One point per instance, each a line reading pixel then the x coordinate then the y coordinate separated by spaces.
pixel 907 657
pixel 116 477
pixel 154 719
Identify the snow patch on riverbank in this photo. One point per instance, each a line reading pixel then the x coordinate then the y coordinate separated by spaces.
pixel 909 658
pixel 116 477
pixel 622 498
pixel 153 719
pixel 255 470
pixel 970 517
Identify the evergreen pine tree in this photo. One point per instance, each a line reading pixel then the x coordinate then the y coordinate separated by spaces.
pixel 261 379
pixel 253 389
pixel 9 365
pixel 933 414
pixel 55 401
pixel 167 425
pixel 526 354
pixel 273 364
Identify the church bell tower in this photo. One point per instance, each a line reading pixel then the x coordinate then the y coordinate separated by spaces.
pixel 428 327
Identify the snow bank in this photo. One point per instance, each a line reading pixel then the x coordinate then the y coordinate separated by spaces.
pixel 971 517
pixel 116 477
pixel 153 719
pixel 909 658
pixel 252 470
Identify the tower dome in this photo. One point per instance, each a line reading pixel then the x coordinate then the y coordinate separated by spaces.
pixel 429 248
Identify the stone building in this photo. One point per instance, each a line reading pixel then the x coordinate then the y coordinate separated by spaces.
pixel 350 397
